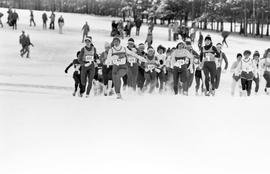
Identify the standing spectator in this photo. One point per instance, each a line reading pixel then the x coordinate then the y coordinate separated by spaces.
pixel 61 24
pixel 32 18
pixel 14 19
pixel 192 34
pixel 170 31
pixel 138 24
pixel 52 17
pixel 25 42
pixel 225 34
pixel 175 31
pixel 9 12
pixel 44 19
pixel 128 28
pixel 22 41
pixel 85 30
pixel 151 26
pixel 149 39
pixel 200 41
pixel 1 15
pixel 120 28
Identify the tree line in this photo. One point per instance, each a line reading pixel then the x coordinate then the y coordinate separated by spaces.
pixel 248 17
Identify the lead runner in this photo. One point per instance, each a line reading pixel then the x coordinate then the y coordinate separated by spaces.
pixel 117 55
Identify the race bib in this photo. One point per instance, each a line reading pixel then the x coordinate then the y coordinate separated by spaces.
pixel 207 56
pixel 218 63
pixel 268 68
pixel 179 63
pixel 89 58
pixel 119 61
pixel 151 67
pixel 131 60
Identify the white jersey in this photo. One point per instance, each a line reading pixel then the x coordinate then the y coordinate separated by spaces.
pixel 247 65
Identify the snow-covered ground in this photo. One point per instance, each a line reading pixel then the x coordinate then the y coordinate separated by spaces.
pixel 43 129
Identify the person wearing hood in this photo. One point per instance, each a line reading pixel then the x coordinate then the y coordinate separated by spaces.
pixel 87 57
pixel 208 57
pixel 180 68
pixel 117 56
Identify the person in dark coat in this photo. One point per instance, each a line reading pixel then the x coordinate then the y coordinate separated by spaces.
pixel 138 24
pixel 44 19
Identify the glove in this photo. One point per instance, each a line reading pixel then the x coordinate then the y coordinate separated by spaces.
pixel 66 71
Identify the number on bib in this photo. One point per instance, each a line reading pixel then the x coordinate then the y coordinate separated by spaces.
pixel 179 63
pixel 119 61
pixel 89 58
pixel 132 60
pixel 151 67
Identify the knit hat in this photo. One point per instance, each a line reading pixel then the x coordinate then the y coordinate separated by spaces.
pixel 208 37
pixel 162 48
pixel 247 52
pixel 150 48
pixel 256 53
pixel 239 54
pixel 116 39
pixel 131 40
pixel 88 38
pixel 188 42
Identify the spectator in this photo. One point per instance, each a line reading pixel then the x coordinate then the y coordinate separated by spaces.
pixel 128 28
pixel 85 30
pixel 44 19
pixel 138 24
pixel 14 19
pixel 1 15
pixel 170 31
pixel 61 24
pixel 175 31
pixel 32 18
pixel 52 17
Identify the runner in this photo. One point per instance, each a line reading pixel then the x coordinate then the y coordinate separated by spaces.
pixel 141 79
pixel 236 74
pixel 106 70
pixel 168 76
pixel 117 56
pixel 161 69
pixel 150 70
pixel 76 73
pixel 87 57
pixel 247 68
pixel 179 57
pixel 219 61
pixel 266 75
pixel 132 63
pixel 190 63
pixel 207 57
pixel 256 79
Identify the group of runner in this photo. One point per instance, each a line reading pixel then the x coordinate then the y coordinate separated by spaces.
pixel 139 70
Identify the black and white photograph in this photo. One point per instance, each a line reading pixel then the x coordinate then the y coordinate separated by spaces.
pixel 134 87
